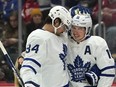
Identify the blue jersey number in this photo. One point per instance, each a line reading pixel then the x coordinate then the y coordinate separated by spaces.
pixel 32 48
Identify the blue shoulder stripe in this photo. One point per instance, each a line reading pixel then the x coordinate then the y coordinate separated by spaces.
pixel 31 82
pixel 109 67
pixel 36 62
pixel 28 66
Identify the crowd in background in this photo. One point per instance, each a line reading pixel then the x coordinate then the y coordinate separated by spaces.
pixel 33 15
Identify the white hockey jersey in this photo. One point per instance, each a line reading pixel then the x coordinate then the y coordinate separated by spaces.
pixel 44 62
pixel 82 56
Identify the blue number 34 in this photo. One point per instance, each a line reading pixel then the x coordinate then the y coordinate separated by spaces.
pixel 34 48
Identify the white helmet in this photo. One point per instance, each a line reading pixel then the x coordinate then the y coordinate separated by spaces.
pixel 83 21
pixel 62 13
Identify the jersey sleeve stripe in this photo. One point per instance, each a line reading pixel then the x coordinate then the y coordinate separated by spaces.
pixel 28 66
pixel 31 82
pixel 30 59
pixel 108 75
pixel 106 68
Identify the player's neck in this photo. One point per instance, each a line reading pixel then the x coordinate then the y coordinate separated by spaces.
pixel 48 27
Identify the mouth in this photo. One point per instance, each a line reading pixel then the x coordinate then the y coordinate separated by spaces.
pixel 76 36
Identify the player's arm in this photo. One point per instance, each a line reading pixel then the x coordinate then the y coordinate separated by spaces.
pixel 31 67
pixel 106 64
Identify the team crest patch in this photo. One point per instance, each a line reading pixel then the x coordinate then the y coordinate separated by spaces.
pixel 63 55
pixel 78 70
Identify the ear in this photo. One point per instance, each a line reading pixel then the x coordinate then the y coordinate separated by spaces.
pixel 57 22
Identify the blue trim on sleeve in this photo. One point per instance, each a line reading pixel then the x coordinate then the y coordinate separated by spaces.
pixel 108 75
pixel 28 66
pixel 31 82
pixel 106 68
pixel 30 59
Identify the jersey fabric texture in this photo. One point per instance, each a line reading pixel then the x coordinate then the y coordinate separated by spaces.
pixel 82 56
pixel 44 62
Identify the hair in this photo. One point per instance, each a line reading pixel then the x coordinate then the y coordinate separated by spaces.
pixel 48 20
pixel 13 13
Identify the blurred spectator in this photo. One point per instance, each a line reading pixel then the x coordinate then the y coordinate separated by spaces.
pixel 1 27
pixel 10 41
pixel 108 12
pixel 109 18
pixel 10 35
pixel 6 71
pixel 36 22
pixel 6 6
pixel 27 7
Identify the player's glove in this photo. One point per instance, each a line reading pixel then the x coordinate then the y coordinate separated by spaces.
pixel 92 78
pixel 79 9
pixel 93 75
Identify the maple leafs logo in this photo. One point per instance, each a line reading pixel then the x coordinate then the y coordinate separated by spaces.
pixel 78 70
pixel 63 55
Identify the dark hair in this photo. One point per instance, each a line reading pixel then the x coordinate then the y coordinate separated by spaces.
pixel 48 20
pixel 13 13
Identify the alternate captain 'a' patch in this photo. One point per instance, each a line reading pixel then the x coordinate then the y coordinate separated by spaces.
pixel 78 69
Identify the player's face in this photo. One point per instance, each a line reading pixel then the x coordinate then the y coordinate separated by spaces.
pixel 78 33
pixel 60 27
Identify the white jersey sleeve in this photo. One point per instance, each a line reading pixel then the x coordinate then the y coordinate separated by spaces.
pixel 105 62
pixel 32 61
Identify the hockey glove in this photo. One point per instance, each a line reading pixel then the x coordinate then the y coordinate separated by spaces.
pixel 93 75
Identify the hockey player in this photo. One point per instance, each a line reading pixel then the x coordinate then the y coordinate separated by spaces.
pixel 44 61
pixel 89 61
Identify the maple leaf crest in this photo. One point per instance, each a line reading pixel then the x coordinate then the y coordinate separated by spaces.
pixel 78 70
pixel 63 55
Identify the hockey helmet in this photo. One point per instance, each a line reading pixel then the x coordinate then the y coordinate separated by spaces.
pixel 62 13
pixel 83 21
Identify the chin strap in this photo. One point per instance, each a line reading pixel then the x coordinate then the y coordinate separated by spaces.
pixel 56 28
